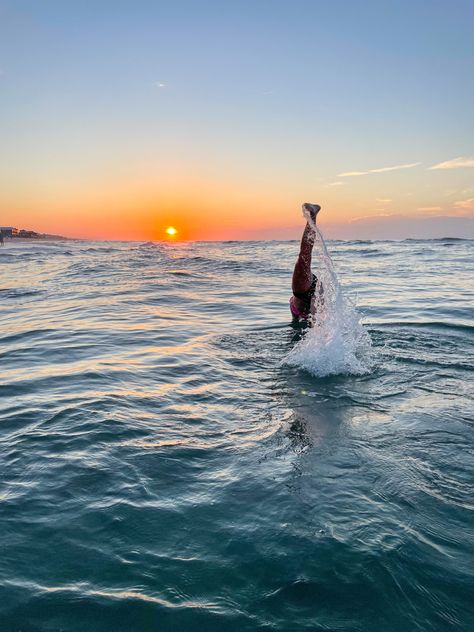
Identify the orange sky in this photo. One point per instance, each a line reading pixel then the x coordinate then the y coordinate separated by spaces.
pixel 140 203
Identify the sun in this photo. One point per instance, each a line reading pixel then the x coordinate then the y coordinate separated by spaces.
pixel 171 231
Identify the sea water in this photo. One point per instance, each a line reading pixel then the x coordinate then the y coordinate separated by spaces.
pixel 162 469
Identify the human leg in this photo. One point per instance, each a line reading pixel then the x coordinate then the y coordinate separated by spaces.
pixel 302 275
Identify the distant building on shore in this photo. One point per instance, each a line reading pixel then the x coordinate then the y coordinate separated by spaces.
pixel 28 234
pixel 9 231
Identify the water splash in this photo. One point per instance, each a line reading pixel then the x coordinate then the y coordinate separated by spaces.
pixel 336 342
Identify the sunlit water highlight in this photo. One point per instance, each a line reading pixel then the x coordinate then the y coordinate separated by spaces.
pixel 161 469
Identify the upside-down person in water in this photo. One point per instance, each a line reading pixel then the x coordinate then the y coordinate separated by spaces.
pixel 302 303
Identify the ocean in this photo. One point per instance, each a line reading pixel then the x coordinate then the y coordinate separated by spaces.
pixel 170 461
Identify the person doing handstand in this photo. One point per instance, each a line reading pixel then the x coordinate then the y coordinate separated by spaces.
pixel 302 303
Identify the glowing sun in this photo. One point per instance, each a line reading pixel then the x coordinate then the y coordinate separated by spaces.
pixel 171 231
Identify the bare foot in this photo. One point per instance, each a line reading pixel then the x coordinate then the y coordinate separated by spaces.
pixel 312 209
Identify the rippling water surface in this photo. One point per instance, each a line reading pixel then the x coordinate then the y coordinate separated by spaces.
pixel 163 469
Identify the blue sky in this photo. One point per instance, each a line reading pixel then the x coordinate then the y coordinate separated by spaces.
pixel 267 101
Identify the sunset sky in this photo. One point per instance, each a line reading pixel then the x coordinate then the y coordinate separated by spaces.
pixel 121 118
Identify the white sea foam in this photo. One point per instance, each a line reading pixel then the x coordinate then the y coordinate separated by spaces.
pixel 337 342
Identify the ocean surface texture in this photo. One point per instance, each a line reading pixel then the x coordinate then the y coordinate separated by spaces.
pixel 163 468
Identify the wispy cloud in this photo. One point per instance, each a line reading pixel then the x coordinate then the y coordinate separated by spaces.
pixel 464 203
pixel 455 163
pixel 429 209
pixel 348 174
pixel 336 184
pixel 384 200
pixel 364 218
pixel 160 84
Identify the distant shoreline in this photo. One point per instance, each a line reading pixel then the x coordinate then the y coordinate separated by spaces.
pixel 35 238
pixel 42 238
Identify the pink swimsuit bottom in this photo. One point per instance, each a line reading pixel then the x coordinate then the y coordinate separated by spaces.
pixel 295 312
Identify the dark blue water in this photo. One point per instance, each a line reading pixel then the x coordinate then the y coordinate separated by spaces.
pixel 162 469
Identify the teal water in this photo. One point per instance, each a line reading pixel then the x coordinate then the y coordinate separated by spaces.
pixel 162 468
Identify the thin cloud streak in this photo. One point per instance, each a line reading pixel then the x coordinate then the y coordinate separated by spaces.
pixel 348 174
pixel 364 218
pixel 464 203
pixel 455 163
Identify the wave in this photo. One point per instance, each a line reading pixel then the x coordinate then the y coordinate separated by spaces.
pixel 432 324
pixel 437 239
pixel 6 293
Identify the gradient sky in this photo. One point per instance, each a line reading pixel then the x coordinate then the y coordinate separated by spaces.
pixel 118 118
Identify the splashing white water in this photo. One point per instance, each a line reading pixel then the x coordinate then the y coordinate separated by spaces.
pixel 337 342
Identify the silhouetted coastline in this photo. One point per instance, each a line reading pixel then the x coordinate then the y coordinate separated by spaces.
pixel 9 232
